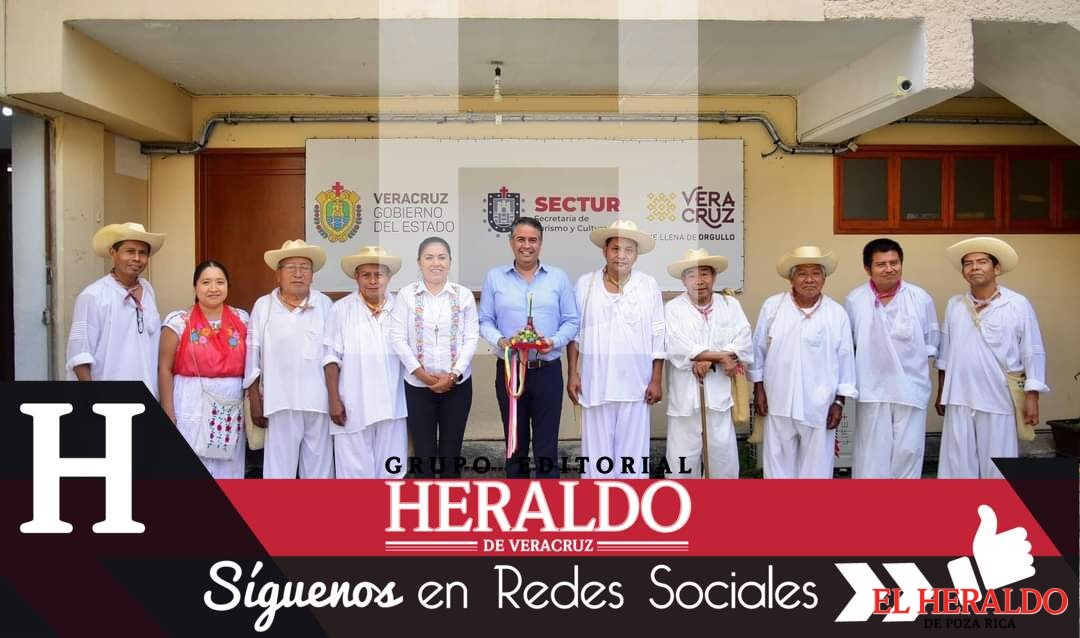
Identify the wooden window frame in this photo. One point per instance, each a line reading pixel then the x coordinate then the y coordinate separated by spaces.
pixel 1057 192
pixel 864 225
pixel 997 222
pixel 948 224
pixel 895 182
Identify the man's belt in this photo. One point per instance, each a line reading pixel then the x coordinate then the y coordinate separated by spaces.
pixel 540 363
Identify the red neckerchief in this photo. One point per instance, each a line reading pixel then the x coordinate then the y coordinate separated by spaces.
pixel 880 297
pixel 981 305
pixel 130 291
pixel 704 312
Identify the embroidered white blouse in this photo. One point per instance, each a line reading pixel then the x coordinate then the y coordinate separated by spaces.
pixel 441 336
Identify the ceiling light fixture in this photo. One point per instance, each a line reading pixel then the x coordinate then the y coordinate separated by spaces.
pixel 496 95
pixel 7 111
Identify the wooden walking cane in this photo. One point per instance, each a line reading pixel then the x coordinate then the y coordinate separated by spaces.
pixel 704 430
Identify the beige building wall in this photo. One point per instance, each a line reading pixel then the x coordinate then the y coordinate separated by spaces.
pixel 788 202
pixel 125 190
pixel 172 211
pixel 79 168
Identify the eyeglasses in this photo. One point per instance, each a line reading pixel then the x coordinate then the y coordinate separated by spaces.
pixel 301 269
pixel 139 319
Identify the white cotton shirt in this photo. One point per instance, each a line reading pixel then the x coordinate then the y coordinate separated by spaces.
pixel 621 335
pixel 688 335
pixel 893 344
pixel 805 363
pixel 436 331
pixel 973 376
pixel 370 379
pixel 105 334
pixel 285 348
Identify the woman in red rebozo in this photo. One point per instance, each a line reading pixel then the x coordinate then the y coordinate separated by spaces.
pixel 200 373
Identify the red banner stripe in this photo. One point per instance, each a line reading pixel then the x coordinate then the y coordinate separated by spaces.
pixel 726 518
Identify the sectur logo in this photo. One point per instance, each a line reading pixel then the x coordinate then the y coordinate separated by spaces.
pixel 502 210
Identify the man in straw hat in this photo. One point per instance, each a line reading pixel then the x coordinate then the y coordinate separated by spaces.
pixel 896 332
pixel 803 368
pixel 707 338
pixel 363 375
pixel 621 350
pixel 504 303
pixel 992 365
pixel 284 373
pixel 115 323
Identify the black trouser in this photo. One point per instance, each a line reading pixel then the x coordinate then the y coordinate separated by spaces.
pixel 436 425
pixel 540 406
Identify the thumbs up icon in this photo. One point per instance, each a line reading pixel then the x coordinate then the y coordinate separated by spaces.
pixel 1004 558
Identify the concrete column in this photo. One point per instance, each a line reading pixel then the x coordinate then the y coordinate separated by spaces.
pixel 29 249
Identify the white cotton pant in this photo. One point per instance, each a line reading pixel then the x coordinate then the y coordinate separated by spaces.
pixel 889 441
pixel 684 445
pixel 363 454
pixel 616 436
pixel 970 439
pixel 298 442
pixel 794 450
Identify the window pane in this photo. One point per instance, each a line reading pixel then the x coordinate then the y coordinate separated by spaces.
pixel 974 198
pixel 1070 188
pixel 1030 189
pixel 866 189
pixel 920 189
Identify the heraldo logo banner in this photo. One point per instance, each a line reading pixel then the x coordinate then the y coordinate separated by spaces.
pixel 111 526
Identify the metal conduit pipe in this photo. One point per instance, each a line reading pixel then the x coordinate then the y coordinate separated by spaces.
pixel 170 148
pixel 976 119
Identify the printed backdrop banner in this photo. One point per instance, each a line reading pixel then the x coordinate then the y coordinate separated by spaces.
pixel 394 193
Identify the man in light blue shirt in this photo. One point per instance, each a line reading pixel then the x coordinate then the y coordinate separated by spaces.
pixel 504 304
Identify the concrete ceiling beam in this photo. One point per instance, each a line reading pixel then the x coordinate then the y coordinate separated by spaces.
pixel 923 66
pixel 1036 67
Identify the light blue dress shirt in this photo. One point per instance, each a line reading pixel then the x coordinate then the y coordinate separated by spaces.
pixel 504 306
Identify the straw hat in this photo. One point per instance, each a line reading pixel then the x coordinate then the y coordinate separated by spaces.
pixel 110 235
pixel 370 255
pixel 806 255
pixel 697 257
pixel 1006 255
pixel 627 229
pixel 296 248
